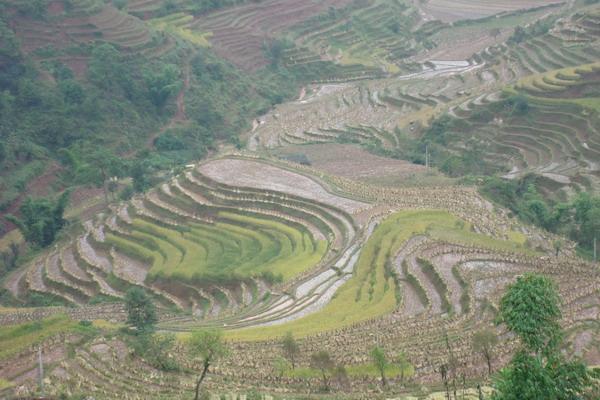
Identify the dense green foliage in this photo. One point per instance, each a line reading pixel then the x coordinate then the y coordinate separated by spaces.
pixel 41 219
pixel 95 125
pixel 141 312
pixel 290 348
pixel 579 218
pixel 530 308
pixel 380 362
pixel 156 349
pixel 538 370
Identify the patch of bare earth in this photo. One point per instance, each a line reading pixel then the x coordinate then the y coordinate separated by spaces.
pixel 352 162
pixel 455 10
pixel 247 173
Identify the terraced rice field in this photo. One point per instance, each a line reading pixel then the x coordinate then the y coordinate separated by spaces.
pixel 450 11
pixel 87 23
pixel 239 33
pixel 377 34
pixel 259 247
pixel 202 245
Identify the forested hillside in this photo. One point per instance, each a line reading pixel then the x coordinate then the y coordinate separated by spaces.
pixel 67 105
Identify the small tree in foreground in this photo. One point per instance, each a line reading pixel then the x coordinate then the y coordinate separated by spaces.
pixel 484 342
pixel 322 361
pixel 530 309
pixel 207 346
pixel 380 362
pixel 290 348
pixel 280 367
pixel 141 311
pixel 404 365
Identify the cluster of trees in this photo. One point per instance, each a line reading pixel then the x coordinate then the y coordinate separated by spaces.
pixel 329 370
pixel 539 369
pixel 41 219
pixel 529 308
pixel 578 219
pixel 538 28
pixel 204 347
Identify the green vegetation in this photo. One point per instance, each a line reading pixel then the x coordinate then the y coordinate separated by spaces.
pixel 380 363
pixel 530 309
pixel 321 361
pixel 141 312
pixel 579 218
pixel 156 349
pixel 41 219
pixel 371 290
pixel 237 246
pixel 207 347
pixel 484 342
pixel 290 348
pixel 16 338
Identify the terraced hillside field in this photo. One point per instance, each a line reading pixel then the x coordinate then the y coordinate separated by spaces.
pixel 239 34
pixel 450 11
pixel 87 22
pixel 337 222
pixel 202 245
pixel 408 269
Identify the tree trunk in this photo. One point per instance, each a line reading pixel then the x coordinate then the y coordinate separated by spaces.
pixel 383 380
pixel 325 380
pixel 488 358
pixel 204 372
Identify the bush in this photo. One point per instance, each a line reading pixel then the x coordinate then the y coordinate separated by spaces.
pixel 120 4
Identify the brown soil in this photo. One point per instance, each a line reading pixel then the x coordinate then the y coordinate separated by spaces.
pixel 260 175
pixel 239 33
pixel 353 162
pixel 454 10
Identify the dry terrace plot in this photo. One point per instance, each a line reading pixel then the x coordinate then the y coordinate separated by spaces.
pixel 352 162
pixel 239 33
pixel 259 175
pixel 455 10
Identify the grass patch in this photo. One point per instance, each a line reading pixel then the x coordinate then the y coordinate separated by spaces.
pixel 14 339
pixel 4 384
pixel 354 371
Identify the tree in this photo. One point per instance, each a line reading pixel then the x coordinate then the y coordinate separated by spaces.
pixel 156 349
pixel 380 362
pixel 495 32
pixel 105 66
pixel 140 174
pixel 322 361
pixel 41 219
pixel 9 258
pixel 530 308
pixel 106 165
pixel 141 311
pixel 207 346
pixel 538 370
pixel 162 83
pixel 280 367
pixel 558 244
pixel 403 364
pixel 340 376
pixel 484 342
pixel 290 348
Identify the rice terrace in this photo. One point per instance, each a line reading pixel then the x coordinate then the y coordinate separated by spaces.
pixel 311 199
